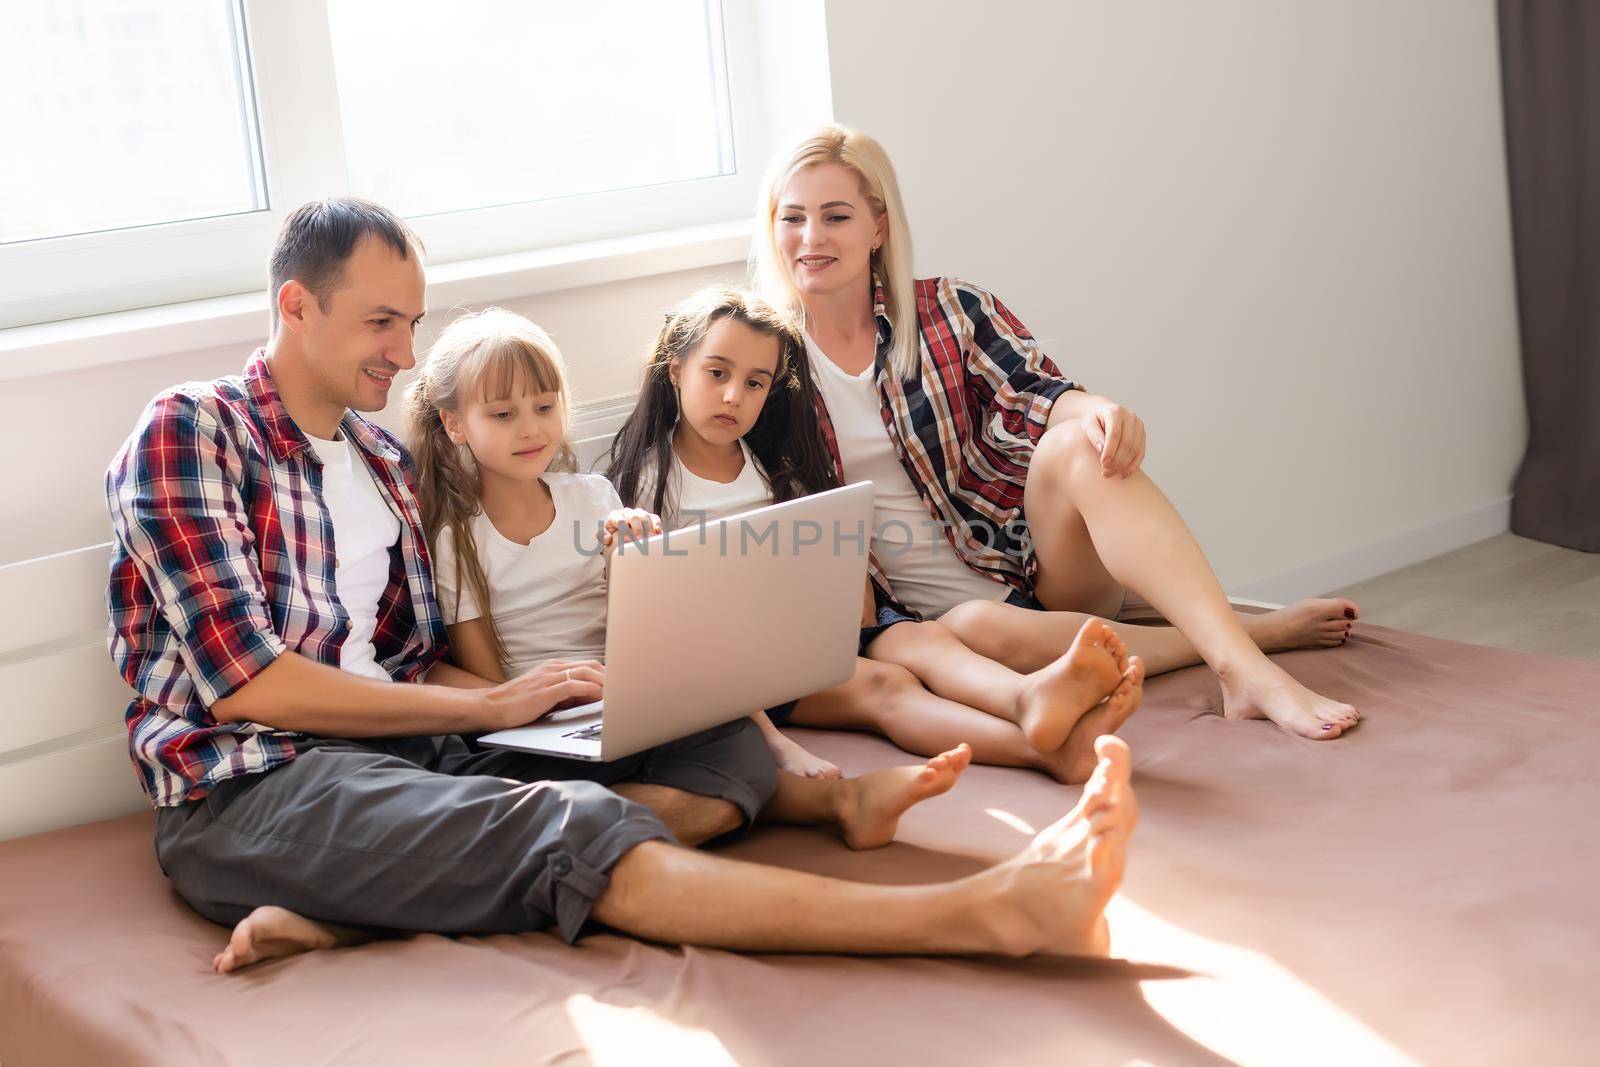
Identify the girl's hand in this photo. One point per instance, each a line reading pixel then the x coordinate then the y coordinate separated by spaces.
pixel 1118 435
pixel 628 524
pixel 532 696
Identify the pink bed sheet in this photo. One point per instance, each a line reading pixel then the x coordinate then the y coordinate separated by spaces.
pixel 1423 890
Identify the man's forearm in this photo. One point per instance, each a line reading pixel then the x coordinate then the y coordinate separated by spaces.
pixel 297 693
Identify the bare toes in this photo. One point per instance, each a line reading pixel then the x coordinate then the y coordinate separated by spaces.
pixel 1096 632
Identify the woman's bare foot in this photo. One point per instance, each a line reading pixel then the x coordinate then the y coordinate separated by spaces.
pixel 271 932
pixel 1267 691
pixel 1051 899
pixel 792 757
pixel 869 807
pixel 1316 622
pixel 1053 699
pixel 1075 761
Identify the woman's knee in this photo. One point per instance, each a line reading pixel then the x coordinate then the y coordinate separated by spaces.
pixel 1064 451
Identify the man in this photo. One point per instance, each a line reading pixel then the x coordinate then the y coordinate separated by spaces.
pixel 299 731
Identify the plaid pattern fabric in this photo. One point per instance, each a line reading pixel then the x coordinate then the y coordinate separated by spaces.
pixel 224 558
pixel 966 426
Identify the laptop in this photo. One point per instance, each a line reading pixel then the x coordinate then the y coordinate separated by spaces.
pixel 717 621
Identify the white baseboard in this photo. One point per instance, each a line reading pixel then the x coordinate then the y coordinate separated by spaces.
pixel 1369 561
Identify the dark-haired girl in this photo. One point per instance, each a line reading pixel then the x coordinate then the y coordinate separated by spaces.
pixel 726 423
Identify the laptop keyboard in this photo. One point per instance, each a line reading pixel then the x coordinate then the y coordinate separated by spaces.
pixel 588 733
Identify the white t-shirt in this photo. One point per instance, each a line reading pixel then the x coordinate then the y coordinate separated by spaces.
pixel 547 597
pixel 912 549
pixel 692 500
pixel 364 529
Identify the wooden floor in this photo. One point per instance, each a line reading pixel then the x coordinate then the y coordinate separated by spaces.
pixel 1508 591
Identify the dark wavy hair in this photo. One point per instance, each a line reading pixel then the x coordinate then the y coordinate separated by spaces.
pixel 787 435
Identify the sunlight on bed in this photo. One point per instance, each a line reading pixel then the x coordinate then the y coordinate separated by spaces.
pixel 620 1037
pixel 1241 1004
pixel 1019 825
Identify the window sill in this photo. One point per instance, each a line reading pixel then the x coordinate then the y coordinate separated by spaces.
pixel 72 344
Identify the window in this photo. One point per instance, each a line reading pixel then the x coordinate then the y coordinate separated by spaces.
pixel 552 100
pixel 164 88
pixel 161 142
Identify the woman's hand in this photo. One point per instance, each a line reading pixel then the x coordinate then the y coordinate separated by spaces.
pixel 557 684
pixel 1117 434
pixel 628 524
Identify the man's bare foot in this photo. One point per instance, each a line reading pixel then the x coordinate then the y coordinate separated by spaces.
pixel 870 806
pixel 795 759
pixel 1051 898
pixel 271 932
pixel 1053 699
pixel 1075 761
pixel 1267 691
pixel 1316 622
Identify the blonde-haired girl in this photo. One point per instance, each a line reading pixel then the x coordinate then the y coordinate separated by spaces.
pixel 489 417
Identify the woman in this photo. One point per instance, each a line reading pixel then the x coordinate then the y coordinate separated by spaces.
pixel 1009 499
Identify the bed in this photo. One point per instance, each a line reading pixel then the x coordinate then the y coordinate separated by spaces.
pixel 1423 890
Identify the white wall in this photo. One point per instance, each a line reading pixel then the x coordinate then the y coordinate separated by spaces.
pixel 1277 229
pixel 58 432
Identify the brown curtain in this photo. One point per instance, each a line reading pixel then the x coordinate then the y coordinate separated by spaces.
pixel 1550 78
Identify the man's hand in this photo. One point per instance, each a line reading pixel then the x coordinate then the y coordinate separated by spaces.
pixel 1118 435
pixel 628 524
pixel 529 697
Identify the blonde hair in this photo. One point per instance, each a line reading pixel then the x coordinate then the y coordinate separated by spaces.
pixel 490 352
pixel 773 274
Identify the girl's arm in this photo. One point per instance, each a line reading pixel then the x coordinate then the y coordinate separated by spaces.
pixel 471 651
pixel 452 677
pixel 626 524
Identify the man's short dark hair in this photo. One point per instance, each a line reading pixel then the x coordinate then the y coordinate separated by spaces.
pixel 318 238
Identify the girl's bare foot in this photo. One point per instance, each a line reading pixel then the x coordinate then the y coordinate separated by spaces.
pixel 1051 899
pixel 870 806
pixel 1267 691
pixel 1317 622
pixel 1053 699
pixel 792 757
pixel 1075 761
pixel 271 932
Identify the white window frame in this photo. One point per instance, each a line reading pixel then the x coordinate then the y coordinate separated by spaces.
pixel 43 283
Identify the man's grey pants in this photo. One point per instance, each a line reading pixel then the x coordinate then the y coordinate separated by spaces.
pixel 422 833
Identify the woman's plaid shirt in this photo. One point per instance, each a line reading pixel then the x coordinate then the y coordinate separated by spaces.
pixel 966 426
pixel 224 558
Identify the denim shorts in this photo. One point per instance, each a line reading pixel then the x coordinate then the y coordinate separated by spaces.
pixel 889 614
